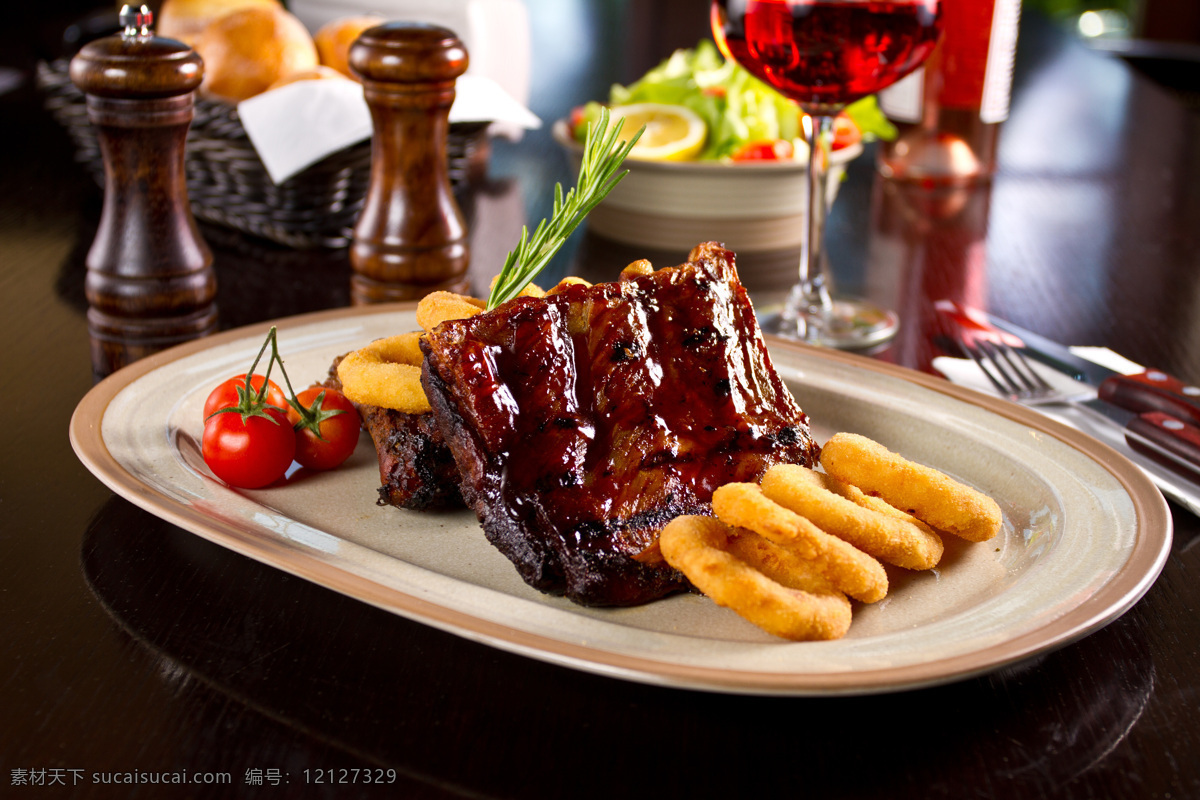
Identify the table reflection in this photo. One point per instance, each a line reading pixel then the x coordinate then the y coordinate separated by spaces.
pixel 927 244
pixel 371 685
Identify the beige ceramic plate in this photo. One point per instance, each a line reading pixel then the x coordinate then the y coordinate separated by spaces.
pixel 1085 534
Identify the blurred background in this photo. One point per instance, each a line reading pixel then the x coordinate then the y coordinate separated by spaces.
pixel 578 48
pixel 1161 36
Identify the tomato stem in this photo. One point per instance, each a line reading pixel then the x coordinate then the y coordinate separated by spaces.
pixel 253 403
pixel 312 416
pixel 261 394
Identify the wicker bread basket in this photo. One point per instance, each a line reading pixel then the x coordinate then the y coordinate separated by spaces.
pixel 228 184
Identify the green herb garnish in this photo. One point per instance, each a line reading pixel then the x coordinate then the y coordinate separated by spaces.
pixel 602 157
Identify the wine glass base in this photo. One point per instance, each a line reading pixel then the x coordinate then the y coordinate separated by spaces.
pixel 849 325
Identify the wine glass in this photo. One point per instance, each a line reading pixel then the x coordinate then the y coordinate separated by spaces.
pixel 824 54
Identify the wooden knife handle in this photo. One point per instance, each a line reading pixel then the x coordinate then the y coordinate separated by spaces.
pixel 1153 390
pixel 1166 438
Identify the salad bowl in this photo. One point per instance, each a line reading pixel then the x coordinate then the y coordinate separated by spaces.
pixel 727 191
pixel 671 205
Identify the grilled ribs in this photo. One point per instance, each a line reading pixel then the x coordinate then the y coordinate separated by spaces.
pixel 583 421
pixel 416 470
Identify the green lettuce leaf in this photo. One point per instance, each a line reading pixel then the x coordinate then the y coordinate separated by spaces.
pixel 737 107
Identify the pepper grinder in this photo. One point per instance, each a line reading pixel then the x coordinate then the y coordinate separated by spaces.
pixel 150 282
pixel 410 238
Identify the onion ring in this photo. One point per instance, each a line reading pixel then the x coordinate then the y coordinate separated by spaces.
pixel 386 373
pixel 931 496
pixel 566 283
pixel 636 269
pixel 696 546
pixel 852 571
pixel 437 307
pixel 778 563
pixel 907 543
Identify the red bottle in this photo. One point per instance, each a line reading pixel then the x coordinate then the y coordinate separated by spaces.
pixel 949 113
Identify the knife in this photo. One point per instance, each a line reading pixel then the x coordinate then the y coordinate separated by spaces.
pixel 1149 390
pixel 1158 414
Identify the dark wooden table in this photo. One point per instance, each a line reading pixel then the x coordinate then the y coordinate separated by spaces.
pixel 128 645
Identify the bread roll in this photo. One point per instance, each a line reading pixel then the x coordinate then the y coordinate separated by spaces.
pixel 248 50
pixel 335 37
pixel 185 20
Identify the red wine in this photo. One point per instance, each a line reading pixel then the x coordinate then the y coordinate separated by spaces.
pixel 824 54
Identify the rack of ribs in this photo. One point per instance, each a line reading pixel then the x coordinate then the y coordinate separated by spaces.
pixel 416 470
pixel 583 421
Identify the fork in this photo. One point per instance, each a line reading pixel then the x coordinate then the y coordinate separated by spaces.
pixel 1008 371
pixel 1167 440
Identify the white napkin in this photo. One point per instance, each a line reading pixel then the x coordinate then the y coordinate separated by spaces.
pixel 965 372
pixel 297 125
pixel 496 33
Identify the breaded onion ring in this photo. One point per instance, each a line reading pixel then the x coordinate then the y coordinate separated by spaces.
pixel 696 546
pixel 929 495
pixel 852 571
pixel 565 283
pixel 386 373
pixel 437 307
pixel 906 543
pixel 636 269
pixel 778 563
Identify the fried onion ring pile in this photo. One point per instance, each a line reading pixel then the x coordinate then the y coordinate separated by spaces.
pixel 852 571
pixel 784 554
pixel 387 372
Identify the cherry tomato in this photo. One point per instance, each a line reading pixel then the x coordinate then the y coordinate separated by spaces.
pixel 249 454
pixel 845 132
pixel 226 394
pixel 575 119
pixel 339 432
pixel 776 150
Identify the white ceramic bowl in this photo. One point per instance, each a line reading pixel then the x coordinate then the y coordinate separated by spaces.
pixel 673 205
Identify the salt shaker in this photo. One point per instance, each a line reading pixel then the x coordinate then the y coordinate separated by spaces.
pixel 410 238
pixel 150 282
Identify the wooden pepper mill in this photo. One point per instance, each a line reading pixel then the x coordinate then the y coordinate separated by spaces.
pixel 150 282
pixel 410 238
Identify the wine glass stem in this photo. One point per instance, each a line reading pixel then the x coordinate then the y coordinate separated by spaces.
pixel 813 289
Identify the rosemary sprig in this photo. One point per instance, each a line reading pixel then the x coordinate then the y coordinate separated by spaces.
pixel 598 175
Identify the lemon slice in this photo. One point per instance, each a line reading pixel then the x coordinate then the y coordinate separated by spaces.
pixel 673 133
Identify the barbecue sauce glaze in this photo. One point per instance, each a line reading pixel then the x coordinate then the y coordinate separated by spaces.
pixel 582 422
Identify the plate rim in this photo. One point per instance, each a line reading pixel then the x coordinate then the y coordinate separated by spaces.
pixel 1148 556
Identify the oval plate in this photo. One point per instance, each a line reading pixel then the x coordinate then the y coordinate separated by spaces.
pixel 1085 535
